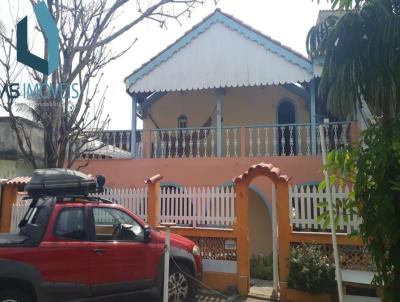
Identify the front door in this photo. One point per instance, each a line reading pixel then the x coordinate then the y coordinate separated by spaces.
pixel 119 260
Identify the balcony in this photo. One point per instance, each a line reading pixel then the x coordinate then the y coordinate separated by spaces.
pixel 235 141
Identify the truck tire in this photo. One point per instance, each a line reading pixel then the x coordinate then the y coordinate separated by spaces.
pixel 181 287
pixel 14 295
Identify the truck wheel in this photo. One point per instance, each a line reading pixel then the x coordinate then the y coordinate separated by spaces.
pixel 14 295
pixel 181 287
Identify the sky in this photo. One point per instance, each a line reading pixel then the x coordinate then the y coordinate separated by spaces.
pixel 287 21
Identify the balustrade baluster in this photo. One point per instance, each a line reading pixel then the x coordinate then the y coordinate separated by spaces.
pixel 283 141
pixel 308 141
pixel 120 139
pixel 191 142
pixel 258 143
pixel 184 131
pixel 318 140
pixel 198 143
pixel 250 142
pixel 335 135
pixel 155 143
pixel 344 133
pixel 227 132
pixel 275 140
pixel 299 141
pixel 205 142
pixel 291 140
pixel 212 142
pixel 128 141
pixel 266 153
pixel 163 145
pixel 235 141
pixel 327 140
pixel 114 140
pixel 169 143
pixel 176 143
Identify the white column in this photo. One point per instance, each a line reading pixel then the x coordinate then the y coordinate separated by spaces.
pixel 275 242
pixel 219 93
pixel 313 118
pixel 133 125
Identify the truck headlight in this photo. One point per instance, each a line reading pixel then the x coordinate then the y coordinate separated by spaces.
pixel 196 251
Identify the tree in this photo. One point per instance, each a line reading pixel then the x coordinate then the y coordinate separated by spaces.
pixel 86 31
pixel 361 50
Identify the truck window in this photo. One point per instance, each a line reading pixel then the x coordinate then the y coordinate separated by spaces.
pixel 70 224
pixel 116 225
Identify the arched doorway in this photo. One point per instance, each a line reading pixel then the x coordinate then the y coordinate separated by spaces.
pixel 286 115
pixel 280 208
pixel 260 234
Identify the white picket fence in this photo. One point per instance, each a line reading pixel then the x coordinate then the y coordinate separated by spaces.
pixel 198 206
pixel 304 202
pixel 134 199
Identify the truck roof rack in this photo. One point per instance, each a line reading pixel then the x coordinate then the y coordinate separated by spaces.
pixel 62 182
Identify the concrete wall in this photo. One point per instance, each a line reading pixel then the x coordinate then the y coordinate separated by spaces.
pixel 13 168
pixel 12 162
pixel 240 106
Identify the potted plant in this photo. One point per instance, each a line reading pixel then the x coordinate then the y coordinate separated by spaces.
pixel 311 275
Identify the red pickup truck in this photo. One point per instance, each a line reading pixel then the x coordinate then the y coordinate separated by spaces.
pixel 77 247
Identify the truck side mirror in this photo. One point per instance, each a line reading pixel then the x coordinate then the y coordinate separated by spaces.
pixel 147 233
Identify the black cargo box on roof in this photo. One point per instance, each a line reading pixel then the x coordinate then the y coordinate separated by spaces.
pixel 57 182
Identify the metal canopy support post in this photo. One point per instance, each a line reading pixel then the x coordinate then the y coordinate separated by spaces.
pixel 133 125
pixel 313 118
pixel 219 93
pixel 275 242
pixel 331 216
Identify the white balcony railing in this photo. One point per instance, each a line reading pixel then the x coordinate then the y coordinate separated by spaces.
pixel 292 139
pixel 202 142
pixel 187 142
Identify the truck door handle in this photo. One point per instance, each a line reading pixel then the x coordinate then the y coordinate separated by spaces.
pixel 100 251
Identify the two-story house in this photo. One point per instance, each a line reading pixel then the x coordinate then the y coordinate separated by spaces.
pixel 221 98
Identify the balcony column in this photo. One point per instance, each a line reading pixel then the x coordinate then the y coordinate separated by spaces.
pixel 313 118
pixel 219 93
pixel 133 125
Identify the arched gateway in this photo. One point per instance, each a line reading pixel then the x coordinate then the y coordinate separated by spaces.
pixel 280 221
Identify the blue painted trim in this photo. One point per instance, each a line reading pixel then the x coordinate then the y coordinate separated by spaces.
pixel 263 198
pixel 220 17
pixel 150 100
pixel 133 125
pixel 313 118
pixel 296 118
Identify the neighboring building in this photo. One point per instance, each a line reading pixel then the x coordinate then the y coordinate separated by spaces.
pixel 12 161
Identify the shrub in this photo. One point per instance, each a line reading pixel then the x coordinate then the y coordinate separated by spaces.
pixel 310 270
pixel 261 267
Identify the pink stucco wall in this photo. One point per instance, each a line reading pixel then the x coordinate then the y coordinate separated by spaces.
pixel 202 171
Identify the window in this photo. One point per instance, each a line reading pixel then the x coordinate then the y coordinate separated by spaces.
pixel 70 224
pixel 116 225
pixel 182 121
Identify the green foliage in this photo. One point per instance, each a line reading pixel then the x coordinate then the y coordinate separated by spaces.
pixel 341 164
pixel 362 57
pixel 262 268
pixel 378 201
pixel 374 169
pixel 310 270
